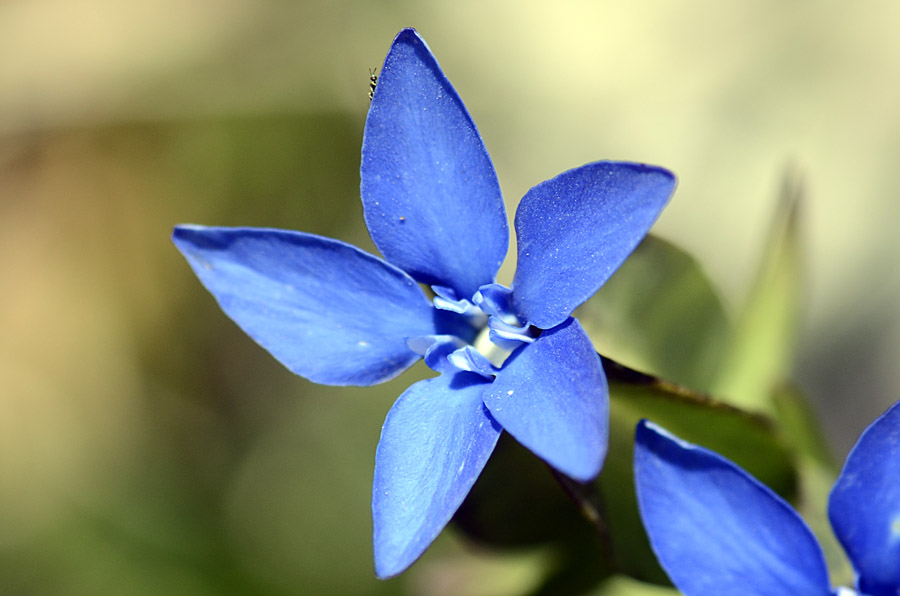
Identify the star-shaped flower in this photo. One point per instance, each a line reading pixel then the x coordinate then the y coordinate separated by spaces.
pixel 509 359
pixel 717 531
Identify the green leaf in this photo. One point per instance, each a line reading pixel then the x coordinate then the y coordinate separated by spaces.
pixel 659 313
pixel 759 356
pixel 621 585
pixel 805 433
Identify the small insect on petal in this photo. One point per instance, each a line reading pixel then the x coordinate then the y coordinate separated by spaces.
pixel 373 81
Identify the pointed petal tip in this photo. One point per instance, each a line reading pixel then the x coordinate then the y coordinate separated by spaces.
pixel 389 569
pixel 644 431
pixel 191 238
pixel 652 436
pixel 407 33
pixel 182 232
pixel 587 471
pixel 645 168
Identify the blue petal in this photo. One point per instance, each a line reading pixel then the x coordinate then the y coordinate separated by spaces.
pixel 495 300
pixel 715 529
pixel 325 309
pixel 552 397
pixel 436 349
pixel 430 195
pixel 434 443
pixel 575 230
pixel 864 506
pixel 508 337
pixel 468 359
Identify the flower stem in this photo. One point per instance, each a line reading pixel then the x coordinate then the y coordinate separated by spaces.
pixel 589 503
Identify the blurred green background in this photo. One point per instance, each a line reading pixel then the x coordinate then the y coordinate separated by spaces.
pixel 148 447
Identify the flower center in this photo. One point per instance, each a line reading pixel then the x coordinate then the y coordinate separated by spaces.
pixel 842 591
pixel 497 332
pixel 486 347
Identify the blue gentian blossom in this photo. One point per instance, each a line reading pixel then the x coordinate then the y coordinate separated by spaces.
pixel 508 358
pixel 717 531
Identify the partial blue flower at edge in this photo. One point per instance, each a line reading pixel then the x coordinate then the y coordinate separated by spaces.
pixel 717 531
pixel 431 200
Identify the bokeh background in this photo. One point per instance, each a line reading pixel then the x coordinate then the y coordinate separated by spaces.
pixel 148 447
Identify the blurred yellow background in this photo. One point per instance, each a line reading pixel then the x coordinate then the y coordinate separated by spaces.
pixel 148 447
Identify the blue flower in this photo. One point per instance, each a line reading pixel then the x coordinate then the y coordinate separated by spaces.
pixel 509 359
pixel 718 531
